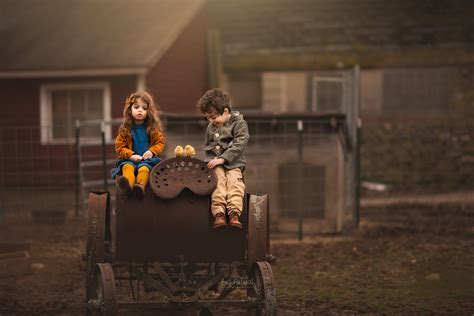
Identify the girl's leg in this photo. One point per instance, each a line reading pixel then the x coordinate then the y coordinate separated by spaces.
pixel 128 171
pixel 142 181
pixel 143 175
pixel 126 180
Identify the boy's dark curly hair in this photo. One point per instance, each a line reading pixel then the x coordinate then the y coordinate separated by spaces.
pixel 214 100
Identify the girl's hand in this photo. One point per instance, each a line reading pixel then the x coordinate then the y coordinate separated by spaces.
pixel 136 158
pixel 147 154
pixel 215 162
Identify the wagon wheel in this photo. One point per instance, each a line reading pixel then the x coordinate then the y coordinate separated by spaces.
pixel 103 300
pixel 262 287
pixel 97 206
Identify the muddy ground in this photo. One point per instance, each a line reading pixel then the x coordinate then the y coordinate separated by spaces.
pixel 414 259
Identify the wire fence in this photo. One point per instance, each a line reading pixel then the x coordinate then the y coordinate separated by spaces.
pixel 300 161
pixel 305 172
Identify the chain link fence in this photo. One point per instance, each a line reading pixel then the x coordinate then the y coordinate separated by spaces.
pixel 300 161
pixel 303 171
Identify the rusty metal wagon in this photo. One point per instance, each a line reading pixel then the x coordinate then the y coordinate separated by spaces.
pixel 161 253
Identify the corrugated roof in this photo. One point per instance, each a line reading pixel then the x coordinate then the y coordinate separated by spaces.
pixel 89 34
pixel 303 32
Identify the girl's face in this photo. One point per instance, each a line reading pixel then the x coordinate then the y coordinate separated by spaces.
pixel 217 119
pixel 139 110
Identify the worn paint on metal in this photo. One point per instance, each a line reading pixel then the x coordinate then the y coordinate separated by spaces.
pixel 257 201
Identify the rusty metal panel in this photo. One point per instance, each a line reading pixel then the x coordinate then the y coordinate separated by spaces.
pixel 156 229
pixel 171 176
pixel 258 232
pixel 96 234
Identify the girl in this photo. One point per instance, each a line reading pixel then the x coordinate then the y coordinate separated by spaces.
pixel 139 142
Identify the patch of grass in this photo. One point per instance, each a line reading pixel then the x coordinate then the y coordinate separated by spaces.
pixel 385 276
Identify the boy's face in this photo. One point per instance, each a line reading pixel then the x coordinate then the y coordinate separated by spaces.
pixel 217 119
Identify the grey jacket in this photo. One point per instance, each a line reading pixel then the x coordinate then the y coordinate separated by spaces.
pixel 228 141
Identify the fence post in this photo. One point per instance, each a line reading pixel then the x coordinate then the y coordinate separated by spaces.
pixel 78 165
pixel 104 158
pixel 300 177
pixel 356 142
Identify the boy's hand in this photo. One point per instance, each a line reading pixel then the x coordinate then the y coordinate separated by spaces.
pixel 147 154
pixel 136 158
pixel 215 162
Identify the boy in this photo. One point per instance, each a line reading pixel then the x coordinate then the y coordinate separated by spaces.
pixel 226 138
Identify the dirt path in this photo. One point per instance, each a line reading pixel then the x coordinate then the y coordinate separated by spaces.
pixel 415 259
pixel 426 199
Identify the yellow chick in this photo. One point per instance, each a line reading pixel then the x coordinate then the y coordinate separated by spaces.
pixel 178 151
pixel 189 151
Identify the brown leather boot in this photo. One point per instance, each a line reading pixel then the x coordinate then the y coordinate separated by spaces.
pixel 124 185
pixel 219 221
pixel 139 191
pixel 234 220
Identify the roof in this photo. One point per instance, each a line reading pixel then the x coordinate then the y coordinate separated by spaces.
pixel 112 36
pixel 274 34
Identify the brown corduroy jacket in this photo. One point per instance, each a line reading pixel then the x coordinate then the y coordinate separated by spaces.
pixel 123 144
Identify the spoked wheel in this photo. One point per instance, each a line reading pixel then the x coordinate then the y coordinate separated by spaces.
pixel 262 287
pixel 103 300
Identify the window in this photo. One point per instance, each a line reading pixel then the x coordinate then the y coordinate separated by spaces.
pixel 327 95
pixel 245 92
pixel 284 92
pixel 63 104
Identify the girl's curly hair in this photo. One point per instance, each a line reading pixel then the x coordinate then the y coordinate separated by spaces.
pixel 214 100
pixel 152 120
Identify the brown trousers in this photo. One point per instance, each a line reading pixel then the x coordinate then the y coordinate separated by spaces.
pixel 229 192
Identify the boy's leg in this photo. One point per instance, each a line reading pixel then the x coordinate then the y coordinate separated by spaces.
pixel 235 190
pixel 126 180
pixel 142 180
pixel 235 195
pixel 218 205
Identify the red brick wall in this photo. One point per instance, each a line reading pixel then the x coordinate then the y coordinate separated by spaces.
pixel 180 77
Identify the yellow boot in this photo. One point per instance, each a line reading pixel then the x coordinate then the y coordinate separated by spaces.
pixel 142 181
pixel 127 179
